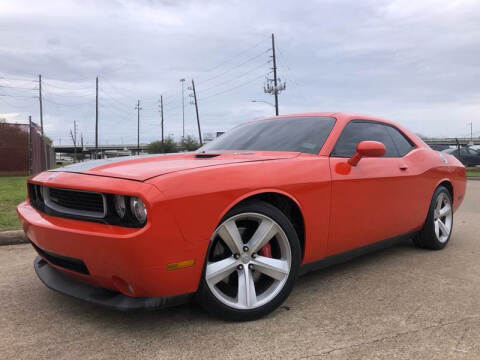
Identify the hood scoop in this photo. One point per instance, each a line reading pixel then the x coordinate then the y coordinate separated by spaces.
pixel 205 156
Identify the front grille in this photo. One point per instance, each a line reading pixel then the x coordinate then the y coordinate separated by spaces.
pixel 78 200
pixel 67 202
pixel 66 262
pixel 79 205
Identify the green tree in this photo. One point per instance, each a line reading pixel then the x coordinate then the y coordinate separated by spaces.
pixel 189 144
pixel 47 140
pixel 168 146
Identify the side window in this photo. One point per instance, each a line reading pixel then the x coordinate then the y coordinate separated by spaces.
pixel 404 146
pixel 473 152
pixel 357 131
pixel 463 151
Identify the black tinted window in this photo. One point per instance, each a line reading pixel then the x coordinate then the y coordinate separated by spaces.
pixel 302 134
pixel 401 142
pixel 357 131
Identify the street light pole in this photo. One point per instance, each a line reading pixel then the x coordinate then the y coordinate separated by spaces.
pixel 183 108
pixel 265 102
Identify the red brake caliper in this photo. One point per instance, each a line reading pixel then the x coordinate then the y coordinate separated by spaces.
pixel 266 251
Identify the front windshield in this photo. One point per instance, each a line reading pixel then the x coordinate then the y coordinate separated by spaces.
pixel 296 134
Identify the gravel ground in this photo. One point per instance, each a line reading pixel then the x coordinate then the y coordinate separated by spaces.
pixel 400 303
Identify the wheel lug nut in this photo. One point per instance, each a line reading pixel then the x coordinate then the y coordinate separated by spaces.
pixel 236 256
pixel 245 248
pixel 250 266
pixel 254 256
pixel 240 267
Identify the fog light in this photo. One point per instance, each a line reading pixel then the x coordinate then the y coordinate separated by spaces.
pixel 122 286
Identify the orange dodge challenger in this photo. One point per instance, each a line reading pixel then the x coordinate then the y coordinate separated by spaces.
pixel 236 222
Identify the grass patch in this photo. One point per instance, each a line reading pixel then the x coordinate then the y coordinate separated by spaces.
pixel 13 190
pixel 473 171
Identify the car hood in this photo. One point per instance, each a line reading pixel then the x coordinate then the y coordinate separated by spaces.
pixel 142 168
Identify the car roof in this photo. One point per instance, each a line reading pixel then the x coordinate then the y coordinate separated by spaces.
pixel 338 115
pixel 343 118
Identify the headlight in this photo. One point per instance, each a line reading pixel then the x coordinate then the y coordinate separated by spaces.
pixel 138 209
pixel 120 208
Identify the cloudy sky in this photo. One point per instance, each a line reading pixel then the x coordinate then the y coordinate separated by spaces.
pixel 414 62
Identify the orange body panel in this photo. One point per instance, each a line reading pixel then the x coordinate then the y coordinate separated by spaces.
pixel 343 207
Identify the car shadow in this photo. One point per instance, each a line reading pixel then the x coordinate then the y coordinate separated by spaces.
pixel 191 314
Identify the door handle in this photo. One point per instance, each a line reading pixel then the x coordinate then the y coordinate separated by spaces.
pixel 403 167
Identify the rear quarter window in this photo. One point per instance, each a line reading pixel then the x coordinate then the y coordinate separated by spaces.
pixel 402 143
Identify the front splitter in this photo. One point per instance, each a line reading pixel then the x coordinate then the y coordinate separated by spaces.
pixel 58 281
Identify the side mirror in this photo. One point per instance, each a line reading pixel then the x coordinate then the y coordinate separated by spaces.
pixel 367 149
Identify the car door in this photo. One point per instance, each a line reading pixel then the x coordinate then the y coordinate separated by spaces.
pixel 475 156
pixel 463 155
pixel 370 201
pixel 472 157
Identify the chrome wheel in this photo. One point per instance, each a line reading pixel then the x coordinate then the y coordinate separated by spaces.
pixel 442 217
pixel 249 261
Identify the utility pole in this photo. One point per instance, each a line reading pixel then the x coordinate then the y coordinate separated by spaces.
pixel 196 110
pixel 96 117
pixel 74 140
pixel 30 163
pixel 161 113
pixel 183 108
pixel 275 73
pixel 138 108
pixel 277 86
pixel 471 132
pixel 81 145
pixel 40 98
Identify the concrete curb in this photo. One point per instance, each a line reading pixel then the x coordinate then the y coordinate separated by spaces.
pixel 12 237
pixel 473 178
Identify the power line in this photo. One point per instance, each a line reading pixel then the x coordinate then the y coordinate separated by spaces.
pixel 236 56
pixel 233 88
pixel 237 77
pixel 15 106
pixel 16 79
pixel 17 87
pixel 63 95
pixel 66 88
pixel 235 67
pixel 63 104
pixel 19 96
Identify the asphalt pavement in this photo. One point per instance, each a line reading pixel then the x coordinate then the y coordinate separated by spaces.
pixel 400 303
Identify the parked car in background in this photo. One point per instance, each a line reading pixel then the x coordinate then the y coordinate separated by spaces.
pixel 467 155
pixel 236 222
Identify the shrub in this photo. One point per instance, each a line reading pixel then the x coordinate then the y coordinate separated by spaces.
pixel 157 147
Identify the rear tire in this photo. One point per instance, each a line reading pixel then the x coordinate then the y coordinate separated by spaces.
pixel 438 226
pixel 251 264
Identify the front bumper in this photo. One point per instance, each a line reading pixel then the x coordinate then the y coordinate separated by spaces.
pixel 58 281
pixel 134 261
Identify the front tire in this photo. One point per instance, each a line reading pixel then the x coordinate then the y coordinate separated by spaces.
pixel 437 230
pixel 252 263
